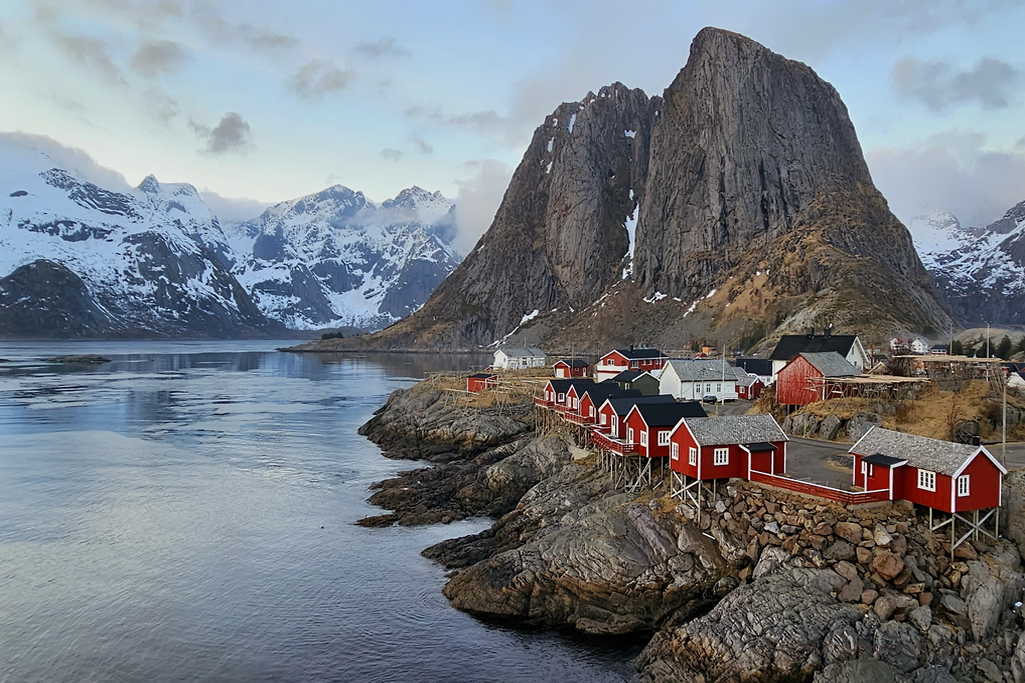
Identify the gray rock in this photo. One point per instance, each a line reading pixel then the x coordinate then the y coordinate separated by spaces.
pixel 859 671
pixel 952 604
pixel 841 643
pixel 771 560
pixel 921 618
pixel 840 550
pixel 898 645
pixel 990 670
pixel 861 423
pixel 881 536
pixel 1018 660
pixel 830 427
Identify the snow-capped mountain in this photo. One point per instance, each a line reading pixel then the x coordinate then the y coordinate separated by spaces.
pixel 80 260
pixel 127 259
pixel 981 270
pixel 335 258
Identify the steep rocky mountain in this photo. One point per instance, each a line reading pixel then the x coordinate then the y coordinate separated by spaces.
pixel 336 259
pixel 753 209
pixel 79 260
pixel 154 261
pixel 981 271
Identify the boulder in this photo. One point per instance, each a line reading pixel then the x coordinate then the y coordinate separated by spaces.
pixel 861 423
pixel 888 565
pixel 830 427
pixel 898 645
pixel 859 671
pixel 849 531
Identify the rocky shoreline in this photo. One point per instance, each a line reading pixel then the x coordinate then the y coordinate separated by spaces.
pixel 763 585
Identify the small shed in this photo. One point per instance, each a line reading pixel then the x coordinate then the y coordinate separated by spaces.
pixel 941 475
pixel 730 446
pixel 516 359
pixel 571 367
pixel 637 379
pixel 749 387
pixel 482 381
pixel 792 384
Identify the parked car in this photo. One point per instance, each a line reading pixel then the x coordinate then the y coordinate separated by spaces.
pixel 709 398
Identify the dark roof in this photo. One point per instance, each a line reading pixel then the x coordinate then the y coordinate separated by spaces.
pixel 884 460
pixel 756 366
pixel 561 386
pixel 622 405
pixel 759 447
pixel 665 414
pixel 631 376
pixel 482 375
pixel 599 393
pixel 573 362
pixel 936 347
pixel 638 354
pixel 792 344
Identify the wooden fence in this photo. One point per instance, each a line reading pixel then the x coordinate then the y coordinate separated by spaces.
pixel 820 490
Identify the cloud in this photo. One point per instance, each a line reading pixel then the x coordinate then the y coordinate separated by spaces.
pixel 73 159
pixel 209 19
pixel 91 52
pixel 421 143
pixel 158 57
pixel 991 83
pixel 386 47
pixel 232 208
pixel 953 171
pixel 317 79
pixel 232 134
pixel 478 199
pixel 391 154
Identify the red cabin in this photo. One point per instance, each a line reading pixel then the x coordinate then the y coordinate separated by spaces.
pixel 571 367
pixel 618 360
pixel 556 389
pixel 730 446
pixel 595 396
pixel 749 387
pixel 795 384
pixel 648 425
pixel 482 381
pixel 941 475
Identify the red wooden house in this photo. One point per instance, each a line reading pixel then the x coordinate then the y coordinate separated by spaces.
pixel 482 381
pixel 614 410
pixel 723 447
pixel 595 396
pixel 618 360
pixel 940 475
pixel 554 393
pixel 571 367
pixel 749 387
pixel 648 425
pixel 795 385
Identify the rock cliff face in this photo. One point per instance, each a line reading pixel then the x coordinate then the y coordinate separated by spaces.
pixel 753 207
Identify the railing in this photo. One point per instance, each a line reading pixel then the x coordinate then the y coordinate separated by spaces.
pixel 821 490
pixel 578 419
pixel 605 441
pixel 543 402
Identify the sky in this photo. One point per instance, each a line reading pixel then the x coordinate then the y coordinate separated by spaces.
pixel 261 101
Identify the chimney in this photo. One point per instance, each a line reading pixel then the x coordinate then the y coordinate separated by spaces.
pixel 829 331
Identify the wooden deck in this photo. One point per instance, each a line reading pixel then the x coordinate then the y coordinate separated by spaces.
pixel 820 490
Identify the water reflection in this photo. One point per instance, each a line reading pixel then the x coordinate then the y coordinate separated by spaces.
pixel 185 513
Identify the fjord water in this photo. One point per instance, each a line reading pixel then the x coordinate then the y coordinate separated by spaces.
pixel 185 513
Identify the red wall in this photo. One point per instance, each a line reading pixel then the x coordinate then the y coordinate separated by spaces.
pixel 477 385
pixel 610 416
pixel 791 383
pixel 984 485
pixel 587 407
pixel 738 461
pixel 938 499
pixel 564 370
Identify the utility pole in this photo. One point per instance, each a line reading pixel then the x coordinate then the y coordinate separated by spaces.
pixel 987 340
pixel 1003 426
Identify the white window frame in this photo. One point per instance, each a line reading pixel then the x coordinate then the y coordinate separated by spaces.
pixel 609 361
pixel 629 434
pixel 663 437
pixel 721 456
pixel 964 485
pixel 867 469
pixel 602 419
pixel 644 438
pixel 927 480
pixel 674 450
pixel 692 456
pixel 561 398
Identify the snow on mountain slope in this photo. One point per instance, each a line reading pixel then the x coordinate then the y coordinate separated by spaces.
pixel 981 271
pixel 133 251
pixel 335 258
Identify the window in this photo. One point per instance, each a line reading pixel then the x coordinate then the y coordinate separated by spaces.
pixel 663 438
pixel 708 388
pixel 718 388
pixel 644 437
pixel 963 486
pixel 608 361
pixel 721 456
pixel 602 419
pixel 926 480
pixel 629 434
pixel 562 397
pixel 674 451
pixel 867 469
pixel 692 456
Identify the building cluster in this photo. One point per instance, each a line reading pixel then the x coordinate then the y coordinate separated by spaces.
pixel 644 415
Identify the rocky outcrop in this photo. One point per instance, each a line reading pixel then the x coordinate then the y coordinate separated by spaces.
pixel 45 299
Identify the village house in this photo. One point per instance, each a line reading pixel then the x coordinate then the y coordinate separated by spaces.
pixel 847 345
pixel 941 475
pixel 614 410
pixel 517 359
pixel 648 425
pixel 593 397
pixel 555 390
pixel 710 448
pixel 647 383
pixel 571 367
pixel 940 349
pixel 920 346
pixel 482 381
pixel 759 367
pixel 618 360
pixel 695 379
pixel 749 387
pixel 795 385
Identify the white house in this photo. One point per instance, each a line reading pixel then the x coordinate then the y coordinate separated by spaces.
pixel 847 345
pixel 1016 380
pixel 695 379
pixel 920 346
pixel 514 359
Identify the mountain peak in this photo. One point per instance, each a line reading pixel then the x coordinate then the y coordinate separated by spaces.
pixel 149 185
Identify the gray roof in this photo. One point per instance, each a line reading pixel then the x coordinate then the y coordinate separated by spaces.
pixel 522 353
pixel 734 429
pixel 831 364
pixel 747 380
pixel 702 370
pixel 922 452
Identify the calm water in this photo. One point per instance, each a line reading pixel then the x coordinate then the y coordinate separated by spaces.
pixel 186 513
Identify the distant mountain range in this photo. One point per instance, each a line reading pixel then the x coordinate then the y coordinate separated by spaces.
pixel 155 261
pixel 980 270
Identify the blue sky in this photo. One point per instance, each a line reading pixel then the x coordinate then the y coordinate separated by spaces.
pixel 267 100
